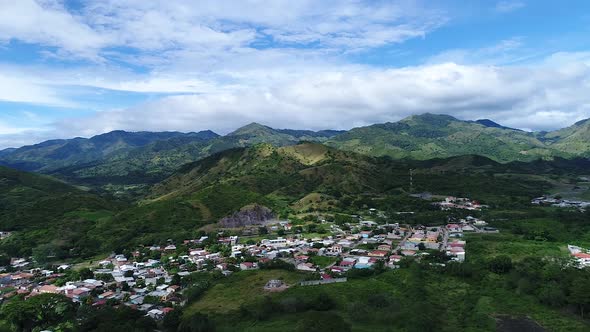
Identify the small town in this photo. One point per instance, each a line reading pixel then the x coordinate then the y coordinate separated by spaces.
pixel 150 279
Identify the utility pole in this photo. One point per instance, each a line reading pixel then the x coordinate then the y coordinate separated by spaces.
pixel 411 180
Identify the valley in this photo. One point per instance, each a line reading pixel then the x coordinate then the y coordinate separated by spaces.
pixel 190 229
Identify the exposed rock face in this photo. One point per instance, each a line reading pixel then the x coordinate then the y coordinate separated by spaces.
pixel 248 215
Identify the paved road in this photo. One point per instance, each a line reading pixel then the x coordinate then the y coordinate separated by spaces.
pixel 445 238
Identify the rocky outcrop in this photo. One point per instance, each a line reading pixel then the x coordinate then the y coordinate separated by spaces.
pixel 248 215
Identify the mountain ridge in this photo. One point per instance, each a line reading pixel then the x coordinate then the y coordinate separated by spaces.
pixel 122 158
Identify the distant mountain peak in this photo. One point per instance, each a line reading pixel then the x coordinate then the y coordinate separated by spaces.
pixel 251 128
pixel 582 122
pixel 492 124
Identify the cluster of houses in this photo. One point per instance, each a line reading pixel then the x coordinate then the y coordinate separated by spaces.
pixel 143 285
pixel 561 203
pixel 581 255
pixel 452 202
pixel 148 279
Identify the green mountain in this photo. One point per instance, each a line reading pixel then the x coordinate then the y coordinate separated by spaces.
pixel 298 179
pixel 157 160
pixel 125 163
pixel 50 216
pixel 45 211
pixel 574 140
pixel 54 154
pixel 434 136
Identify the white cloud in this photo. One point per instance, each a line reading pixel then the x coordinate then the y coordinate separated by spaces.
pixel 48 24
pixel 505 52
pixel 509 6
pixel 283 63
pixel 100 28
pixel 523 97
pixel 15 88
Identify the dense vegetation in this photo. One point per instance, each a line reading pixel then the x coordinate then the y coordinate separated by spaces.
pixel 126 163
pixel 48 216
pixel 433 136
pixel 522 271
pixel 292 181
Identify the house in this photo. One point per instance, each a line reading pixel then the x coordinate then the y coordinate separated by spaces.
pixel 275 285
pixel 156 314
pixel 454 228
pixel 301 258
pixel 468 228
pixel 107 295
pixel 334 250
pixel 408 252
pixel 583 258
pixel 275 243
pixel 368 223
pixel 347 263
pixel 47 289
pixel 384 247
pixel 378 253
pixel 337 269
pixel 248 266
pixel 366 234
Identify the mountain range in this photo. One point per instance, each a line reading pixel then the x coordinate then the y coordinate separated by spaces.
pixel 132 158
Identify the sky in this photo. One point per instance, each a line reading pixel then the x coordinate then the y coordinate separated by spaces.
pixel 79 68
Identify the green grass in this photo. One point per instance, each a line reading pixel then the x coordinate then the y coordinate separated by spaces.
pixel 483 246
pixel 322 261
pixel 239 288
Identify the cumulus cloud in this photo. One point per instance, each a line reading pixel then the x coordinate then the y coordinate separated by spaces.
pixel 48 23
pixel 222 64
pixel 536 97
pixel 26 89
pixel 100 29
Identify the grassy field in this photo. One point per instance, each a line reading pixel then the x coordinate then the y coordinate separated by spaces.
pixel 323 261
pixel 454 299
pixel 484 246
pixel 239 288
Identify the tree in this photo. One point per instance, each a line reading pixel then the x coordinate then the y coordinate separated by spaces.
pixel 4 260
pixel 113 319
pixel 42 311
pixel 172 320
pixel 322 321
pixel 552 295
pixel 196 323
pixel 175 279
pixel 580 293
pixel 500 264
pixel 86 273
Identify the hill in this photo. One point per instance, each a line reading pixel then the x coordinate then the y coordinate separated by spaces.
pixel 47 214
pixel 294 180
pixel 155 161
pixel 54 154
pixel 429 136
pixel 573 140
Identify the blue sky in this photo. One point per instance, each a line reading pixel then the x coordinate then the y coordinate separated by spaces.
pixel 79 68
